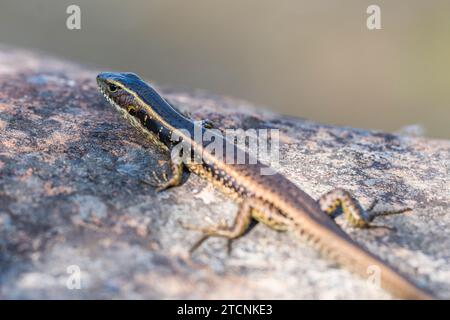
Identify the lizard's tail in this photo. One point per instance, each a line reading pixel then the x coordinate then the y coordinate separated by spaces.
pixel 352 256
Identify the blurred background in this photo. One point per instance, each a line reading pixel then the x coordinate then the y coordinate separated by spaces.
pixel 312 59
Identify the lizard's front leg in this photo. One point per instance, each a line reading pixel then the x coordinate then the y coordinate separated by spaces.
pixel 176 177
pixel 340 201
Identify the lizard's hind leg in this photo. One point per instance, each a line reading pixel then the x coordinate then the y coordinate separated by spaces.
pixel 239 227
pixel 340 201
pixel 250 208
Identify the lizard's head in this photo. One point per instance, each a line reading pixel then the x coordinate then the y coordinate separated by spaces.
pixel 119 89
pixel 138 102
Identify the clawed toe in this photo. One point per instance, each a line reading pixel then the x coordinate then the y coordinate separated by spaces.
pixel 389 212
pixel 198 243
pixel 159 182
pixel 229 246
pixel 376 226
pixel 372 205
pixel 150 182
pixel 188 226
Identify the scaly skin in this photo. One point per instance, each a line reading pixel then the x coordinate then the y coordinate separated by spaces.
pixel 271 199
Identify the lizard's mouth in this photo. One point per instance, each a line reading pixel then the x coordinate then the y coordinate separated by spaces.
pixel 109 99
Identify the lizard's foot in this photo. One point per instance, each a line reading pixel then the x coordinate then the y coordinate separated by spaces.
pixel 157 180
pixel 220 230
pixel 162 183
pixel 372 214
pixel 340 201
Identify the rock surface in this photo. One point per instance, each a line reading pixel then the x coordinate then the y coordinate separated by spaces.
pixel 71 198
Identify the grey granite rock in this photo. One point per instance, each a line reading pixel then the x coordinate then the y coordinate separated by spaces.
pixel 71 198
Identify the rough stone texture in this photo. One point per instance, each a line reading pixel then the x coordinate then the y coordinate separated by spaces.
pixel 70 194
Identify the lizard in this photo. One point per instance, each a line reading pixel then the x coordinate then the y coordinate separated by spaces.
pixel 271 199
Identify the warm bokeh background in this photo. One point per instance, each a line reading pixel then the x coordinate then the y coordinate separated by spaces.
pixel 314 59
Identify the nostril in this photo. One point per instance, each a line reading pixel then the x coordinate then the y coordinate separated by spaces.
pixel 100 78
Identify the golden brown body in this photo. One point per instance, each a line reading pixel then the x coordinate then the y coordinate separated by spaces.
pixel 271 199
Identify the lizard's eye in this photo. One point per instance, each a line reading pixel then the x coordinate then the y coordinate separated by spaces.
pixel 112 87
